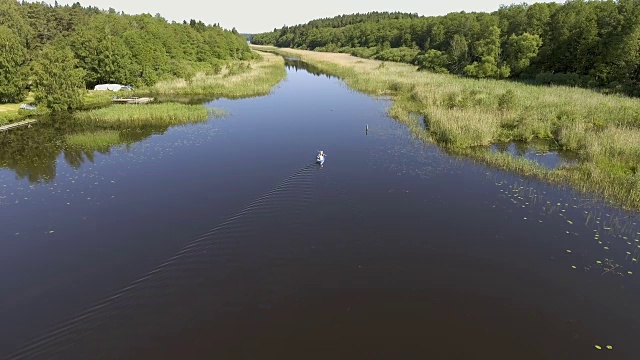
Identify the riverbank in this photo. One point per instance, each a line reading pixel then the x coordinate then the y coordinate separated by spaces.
pixel 11 113
pixel 8 112
pixel 235 80
pixel 465 116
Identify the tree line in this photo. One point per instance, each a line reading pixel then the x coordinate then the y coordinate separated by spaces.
pixel 58 51
pixel 592 44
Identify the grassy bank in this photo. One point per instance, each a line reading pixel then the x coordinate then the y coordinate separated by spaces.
pixel 132 115
pixel 238 79
pixel 462 115
pixel 235 80
pixel 9 113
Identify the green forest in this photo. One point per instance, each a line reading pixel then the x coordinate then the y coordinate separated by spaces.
pixel 56 52
pixel 594 44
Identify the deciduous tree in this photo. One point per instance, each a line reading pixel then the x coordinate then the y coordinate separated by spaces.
pixel 58 82
pixel 12 71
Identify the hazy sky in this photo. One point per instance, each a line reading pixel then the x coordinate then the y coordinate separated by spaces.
pixel 255 16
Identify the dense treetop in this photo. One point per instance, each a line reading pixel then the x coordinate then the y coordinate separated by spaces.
pixel 585 43
pixel 105 46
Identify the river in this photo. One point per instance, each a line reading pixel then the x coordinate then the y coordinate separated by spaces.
pixel 224 240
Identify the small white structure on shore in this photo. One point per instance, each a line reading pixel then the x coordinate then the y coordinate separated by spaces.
pixel 111 87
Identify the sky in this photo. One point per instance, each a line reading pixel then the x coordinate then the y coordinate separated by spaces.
pixel 256 16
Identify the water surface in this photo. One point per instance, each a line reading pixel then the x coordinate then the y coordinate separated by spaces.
pixel 224 240
pixel 544 152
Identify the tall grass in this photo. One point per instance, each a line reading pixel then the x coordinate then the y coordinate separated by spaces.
pixel 140 115
pixel 463 113
pixel 239 79
pixel 462 128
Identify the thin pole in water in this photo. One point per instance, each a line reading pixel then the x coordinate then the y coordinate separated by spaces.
pixel 366 129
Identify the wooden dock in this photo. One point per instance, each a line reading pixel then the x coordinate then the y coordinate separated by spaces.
pixel 133 100
pixel 18 124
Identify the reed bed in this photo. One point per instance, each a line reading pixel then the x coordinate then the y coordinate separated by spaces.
pixel 461 113
pixel 239 79
pixel 134 115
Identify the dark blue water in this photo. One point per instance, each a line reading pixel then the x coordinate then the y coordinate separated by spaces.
pixel 225 240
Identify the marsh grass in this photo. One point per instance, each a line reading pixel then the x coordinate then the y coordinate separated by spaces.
pixel 165 114
pixel 94 139
pixel 238 79
pixel 462 113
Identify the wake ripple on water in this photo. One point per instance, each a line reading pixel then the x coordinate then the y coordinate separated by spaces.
pixel 207 276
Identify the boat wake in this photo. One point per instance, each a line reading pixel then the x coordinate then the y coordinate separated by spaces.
pixel 208 276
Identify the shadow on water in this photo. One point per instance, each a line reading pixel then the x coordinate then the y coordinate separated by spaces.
pixel 32 152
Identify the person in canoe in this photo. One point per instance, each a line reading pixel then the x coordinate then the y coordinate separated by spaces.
pixel 320 157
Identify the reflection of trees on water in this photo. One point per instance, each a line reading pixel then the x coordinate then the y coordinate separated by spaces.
pixel 32 153
pixel 297 64
pixel 76 157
